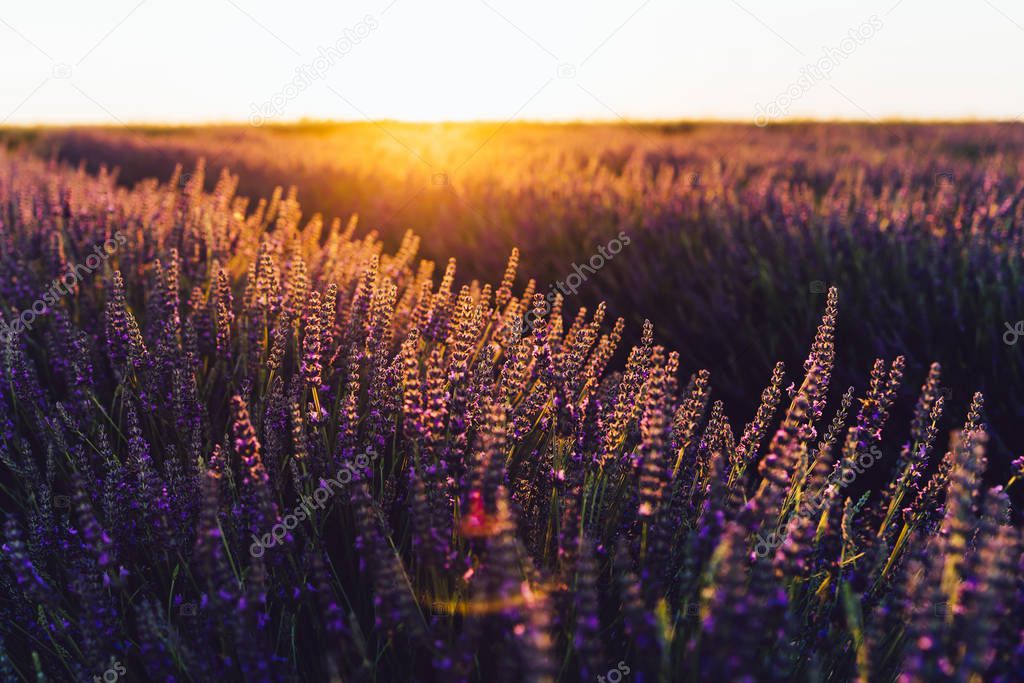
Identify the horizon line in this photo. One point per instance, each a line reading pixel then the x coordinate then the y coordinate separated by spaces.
pixel 214 123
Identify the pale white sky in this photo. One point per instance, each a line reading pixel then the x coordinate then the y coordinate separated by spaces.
pixel 110 61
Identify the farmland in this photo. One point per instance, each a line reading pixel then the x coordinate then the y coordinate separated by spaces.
pixel 512 402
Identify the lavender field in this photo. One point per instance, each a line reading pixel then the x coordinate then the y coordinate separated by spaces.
pixel 395 402
pixel 736 231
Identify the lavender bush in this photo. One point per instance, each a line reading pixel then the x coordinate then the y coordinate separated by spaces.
pixel 544 504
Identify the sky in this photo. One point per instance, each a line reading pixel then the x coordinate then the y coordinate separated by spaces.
pixel 158 61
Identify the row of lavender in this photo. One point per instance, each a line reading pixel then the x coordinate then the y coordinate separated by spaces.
pixel 237 444
pixel 918 225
